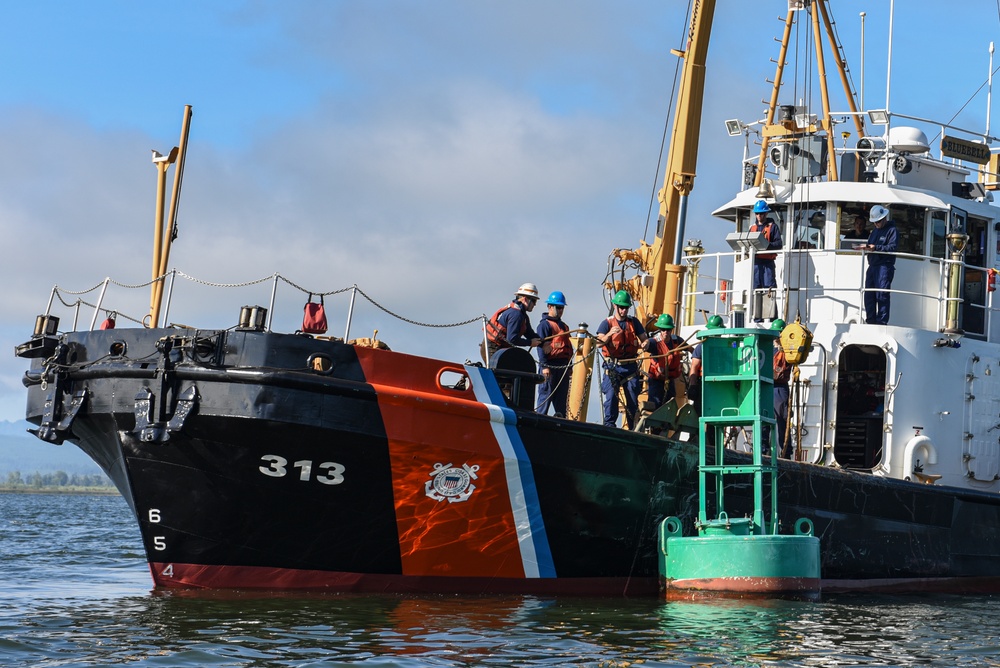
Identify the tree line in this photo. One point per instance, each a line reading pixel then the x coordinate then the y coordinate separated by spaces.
pixel 57 479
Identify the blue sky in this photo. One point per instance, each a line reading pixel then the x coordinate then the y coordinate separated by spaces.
pixel 435 153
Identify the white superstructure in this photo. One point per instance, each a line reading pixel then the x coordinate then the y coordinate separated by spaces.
pixel 918 398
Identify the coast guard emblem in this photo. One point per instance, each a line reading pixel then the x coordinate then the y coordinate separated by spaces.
pixel 452 483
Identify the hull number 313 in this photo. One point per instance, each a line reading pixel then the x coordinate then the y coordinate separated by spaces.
pixel 327 473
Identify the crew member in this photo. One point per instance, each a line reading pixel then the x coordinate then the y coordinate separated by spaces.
pixel 510 325
pixel 782 373
pixel 664 365
pixel 555 357
pixel 694 379
pixel 884 241
pixel 621 335
pixel 763 264
pixel 858 230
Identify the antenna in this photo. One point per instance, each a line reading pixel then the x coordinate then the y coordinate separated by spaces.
pixel 989 92
pixel 862 61
pixel 888 73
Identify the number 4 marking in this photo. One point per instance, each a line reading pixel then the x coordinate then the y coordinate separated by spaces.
pixel 168 571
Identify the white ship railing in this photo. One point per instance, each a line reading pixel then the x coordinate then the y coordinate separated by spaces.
pixel 717 288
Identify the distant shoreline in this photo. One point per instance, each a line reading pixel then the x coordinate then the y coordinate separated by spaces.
pixel 6 489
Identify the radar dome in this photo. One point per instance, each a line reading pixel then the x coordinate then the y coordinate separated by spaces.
pixel 905 139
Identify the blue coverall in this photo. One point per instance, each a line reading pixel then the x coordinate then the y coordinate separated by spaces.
pixel 878 277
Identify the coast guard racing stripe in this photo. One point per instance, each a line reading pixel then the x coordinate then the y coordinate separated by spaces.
pixel 464 493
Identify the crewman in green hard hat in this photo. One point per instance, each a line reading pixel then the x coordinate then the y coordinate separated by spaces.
pixel 622 336
pixel 664 364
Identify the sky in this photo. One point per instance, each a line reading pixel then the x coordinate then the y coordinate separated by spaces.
pixel 436 154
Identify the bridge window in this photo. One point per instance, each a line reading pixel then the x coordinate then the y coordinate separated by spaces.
pixel 909 222
pixel 939 228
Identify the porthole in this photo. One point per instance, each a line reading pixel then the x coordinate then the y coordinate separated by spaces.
pixel 450 379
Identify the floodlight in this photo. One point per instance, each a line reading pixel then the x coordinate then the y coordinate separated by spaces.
pixel 879 116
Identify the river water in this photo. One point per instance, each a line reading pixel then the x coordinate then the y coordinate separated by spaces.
pixel 75 591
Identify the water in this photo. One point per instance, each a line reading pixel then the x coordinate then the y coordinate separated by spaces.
pixel 75 591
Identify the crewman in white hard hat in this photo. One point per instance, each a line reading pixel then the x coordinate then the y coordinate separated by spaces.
pixel 881 249
pixel 510 325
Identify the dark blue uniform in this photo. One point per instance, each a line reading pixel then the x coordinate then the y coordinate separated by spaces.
pixel 881 269
pixel 763 263
pixel 514 319
pixel 555 390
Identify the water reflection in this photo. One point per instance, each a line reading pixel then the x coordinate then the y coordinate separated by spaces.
pixel 77 592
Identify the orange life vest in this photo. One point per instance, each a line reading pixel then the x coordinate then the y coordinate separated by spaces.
pixel 768 230
pixel 496 331
pixel 782 369
pixel 559 347
pixel 624 344
pixel 665 364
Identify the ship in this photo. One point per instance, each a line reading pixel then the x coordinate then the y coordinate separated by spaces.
pixel 257 459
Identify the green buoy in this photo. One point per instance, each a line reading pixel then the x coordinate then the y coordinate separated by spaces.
pixel 738 556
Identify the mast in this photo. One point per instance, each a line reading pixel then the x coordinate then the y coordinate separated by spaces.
pixel 787 130
pixel 164 235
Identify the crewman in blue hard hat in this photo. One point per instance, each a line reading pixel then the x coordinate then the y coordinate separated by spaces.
pixel 555 357
pixel 882 244
pixel 763 265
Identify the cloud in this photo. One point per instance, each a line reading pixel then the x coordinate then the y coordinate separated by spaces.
pixel 436 155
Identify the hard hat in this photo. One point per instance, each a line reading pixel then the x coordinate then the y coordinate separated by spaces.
pixel 621 298
pixel 778 324
pixel 556 298
pixel 527 290
pixel 761 207
pixel 878 213
pixel 665 321
pixel 715 322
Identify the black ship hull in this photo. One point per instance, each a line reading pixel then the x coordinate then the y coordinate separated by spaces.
pixel 261 460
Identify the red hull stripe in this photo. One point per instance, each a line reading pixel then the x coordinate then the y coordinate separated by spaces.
pixel 535 551
pixel 188 576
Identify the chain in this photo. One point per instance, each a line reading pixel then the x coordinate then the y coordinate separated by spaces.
pixel 414 322
pixel 69 292
pixel 59 293
pixel 226 285
pixel 107 311
pixel 313 292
